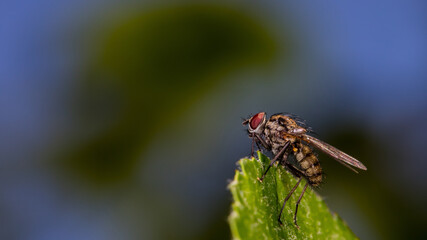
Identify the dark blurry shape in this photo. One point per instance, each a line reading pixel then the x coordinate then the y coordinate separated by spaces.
pixel 218 227
pixel 147 69
pixel 385 207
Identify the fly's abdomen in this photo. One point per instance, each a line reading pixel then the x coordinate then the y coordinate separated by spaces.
pixel 309 165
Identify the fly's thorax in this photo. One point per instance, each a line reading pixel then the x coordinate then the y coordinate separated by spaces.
pixel 289 125
pixel 280 129
pixel 274 134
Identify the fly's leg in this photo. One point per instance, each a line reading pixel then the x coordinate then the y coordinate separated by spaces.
pixel 252 148
pixel 299 200
pixel 287 198
pixel 256 139
pixel 263 142
pixel 276 158
pixel 257 144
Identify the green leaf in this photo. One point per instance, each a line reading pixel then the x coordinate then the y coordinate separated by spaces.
pixel 256 206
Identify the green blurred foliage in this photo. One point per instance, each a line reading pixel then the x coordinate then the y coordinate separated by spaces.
pixel 147 68
pixel 256 207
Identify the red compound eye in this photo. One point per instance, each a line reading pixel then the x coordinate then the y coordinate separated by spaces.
pixel 256 120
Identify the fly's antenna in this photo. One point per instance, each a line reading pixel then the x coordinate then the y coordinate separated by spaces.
pixel 245 121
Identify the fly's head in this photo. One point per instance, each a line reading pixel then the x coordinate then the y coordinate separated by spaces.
pixel 256 123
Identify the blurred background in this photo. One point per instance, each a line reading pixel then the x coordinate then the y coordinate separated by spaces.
pixel 122 120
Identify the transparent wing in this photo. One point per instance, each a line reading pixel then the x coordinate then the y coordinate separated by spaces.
pixel 339 155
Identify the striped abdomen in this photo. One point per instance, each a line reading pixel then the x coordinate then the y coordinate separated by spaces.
pixel 309 165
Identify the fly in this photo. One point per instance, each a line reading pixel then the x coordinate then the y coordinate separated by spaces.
pixel 284 135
